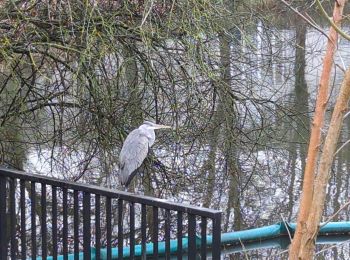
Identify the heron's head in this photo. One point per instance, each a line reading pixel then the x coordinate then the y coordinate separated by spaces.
pixel 151 125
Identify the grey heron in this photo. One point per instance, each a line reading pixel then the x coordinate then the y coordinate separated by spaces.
pixel 135 150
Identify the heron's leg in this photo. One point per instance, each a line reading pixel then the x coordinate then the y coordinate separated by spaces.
pixel 131 177
pixel 147 178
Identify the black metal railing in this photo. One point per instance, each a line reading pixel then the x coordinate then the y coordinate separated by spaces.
pixel 42 216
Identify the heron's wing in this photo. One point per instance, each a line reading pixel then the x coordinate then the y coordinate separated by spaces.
pixel 134 151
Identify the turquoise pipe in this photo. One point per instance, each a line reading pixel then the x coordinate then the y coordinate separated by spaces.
pixel 250 235
pixel 149 249
pixel 331 227
pixel 71 256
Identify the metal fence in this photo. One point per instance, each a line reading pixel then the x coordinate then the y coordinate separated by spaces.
pixel 42 216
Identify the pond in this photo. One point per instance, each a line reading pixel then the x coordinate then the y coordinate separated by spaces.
pixel 282 75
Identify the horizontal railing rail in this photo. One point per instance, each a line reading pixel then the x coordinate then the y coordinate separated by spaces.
pixel 43 217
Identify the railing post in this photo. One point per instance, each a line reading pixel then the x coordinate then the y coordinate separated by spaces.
pixel 204 238
pixel 143 230
pixel 179 235
pixel 86 226
pixel 3 224
pixel 216 250
pixel 97 226
pixel 76 224
pixel 155 232
pixel 132 230
pixel 33 219
pixel 65 223
pixel 120 229
pixel 13 218
pixel 43 206
pixel 192 248
pixel 23 220
pixel 54 223
pixel 167 233
pixel 109 227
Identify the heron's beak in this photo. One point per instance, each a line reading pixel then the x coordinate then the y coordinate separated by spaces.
pixel 162 126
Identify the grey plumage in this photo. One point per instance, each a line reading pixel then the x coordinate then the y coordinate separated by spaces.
pixel 135 150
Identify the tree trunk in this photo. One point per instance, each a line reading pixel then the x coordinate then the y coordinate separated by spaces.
pixel 301 107
pixel 209 165
pixel 234 196
pixel 315 138
pixel 319 194
pixel 301 92
pixel 292 170
pixel 133 91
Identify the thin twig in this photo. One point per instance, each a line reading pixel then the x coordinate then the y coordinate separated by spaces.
pixel 335 214
pixel 341 147
pixel 285 224
pixel 147 14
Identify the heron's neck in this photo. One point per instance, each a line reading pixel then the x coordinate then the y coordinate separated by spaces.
pixel 149 132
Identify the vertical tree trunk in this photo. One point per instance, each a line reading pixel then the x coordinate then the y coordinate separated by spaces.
pixel 131 78
pixel 229 122
pixel 319 194
pixel 301 134
pixel 292 169
pixel 234 199
pixel 209 168
pixel 301 91
pixel 315 138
